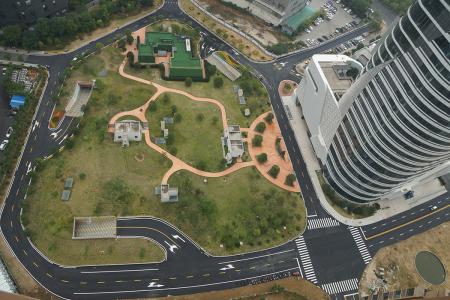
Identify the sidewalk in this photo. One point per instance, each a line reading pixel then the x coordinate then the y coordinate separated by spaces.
pixel 389 207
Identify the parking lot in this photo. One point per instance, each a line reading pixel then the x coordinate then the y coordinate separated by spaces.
pixel 337 17
pixel 5 119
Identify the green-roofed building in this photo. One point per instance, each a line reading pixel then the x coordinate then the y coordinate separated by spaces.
pixel 293 22
pixel 174 51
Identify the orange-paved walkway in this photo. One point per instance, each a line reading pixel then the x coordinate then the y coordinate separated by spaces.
pixel 270 135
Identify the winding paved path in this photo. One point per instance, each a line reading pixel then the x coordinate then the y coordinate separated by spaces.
pixel 177 164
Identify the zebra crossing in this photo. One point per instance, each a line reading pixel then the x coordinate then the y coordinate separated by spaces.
pixel 360 244
pixel 306 260
pixel 322 223
pixel 341 286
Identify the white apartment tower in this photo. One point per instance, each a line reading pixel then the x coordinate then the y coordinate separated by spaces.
pixel 392 126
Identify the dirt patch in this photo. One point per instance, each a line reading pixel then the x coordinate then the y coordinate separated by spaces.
pixel 398 262
pixel 139 157
pixel 294 288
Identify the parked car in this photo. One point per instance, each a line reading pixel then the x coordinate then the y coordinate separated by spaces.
pixel 9 132
pixel 3 145
pixel 433 208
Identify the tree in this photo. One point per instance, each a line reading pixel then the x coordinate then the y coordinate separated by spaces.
pixel 261 158
pixel 174 109
pixel 12 35
pixel 129 37
pixel 218 82
pixel 352 72
pixel 30 39
pixel 257 140
pixel 269 118
pixel 130 56
pixel 121 44
pixel 290 179
pixel 188 81
pixel 200 117
pixel 260 127
pixel 99 47
pixel 274 170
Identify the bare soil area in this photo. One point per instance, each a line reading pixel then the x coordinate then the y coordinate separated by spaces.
pixel 398 261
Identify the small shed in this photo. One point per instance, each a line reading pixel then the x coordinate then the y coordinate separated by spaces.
pixel 69 183
pixel 65 195
pixel 17 101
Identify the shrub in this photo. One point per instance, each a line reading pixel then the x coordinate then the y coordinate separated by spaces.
pixel 261 158
pixel 201 165
pixel 260 127
pixel 82 176
pixel 130 56
pixel 129 37
pixel 218 82
pixel 269 118
pixel 257 140
pixel 174 109
pixel 214 120
pixel 172 150
pixel 290 179
pixel 177 118
pixel 274 171
pixel 121 44
pixel 166 99
pixel 188 81
pixel 152 106
pixel 200 117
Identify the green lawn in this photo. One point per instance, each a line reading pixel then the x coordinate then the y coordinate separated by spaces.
pixel 195 141
pixel 225 94
pixel 49 221
pixel 242 206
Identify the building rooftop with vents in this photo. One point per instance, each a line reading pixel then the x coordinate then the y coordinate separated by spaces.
pixel 173 50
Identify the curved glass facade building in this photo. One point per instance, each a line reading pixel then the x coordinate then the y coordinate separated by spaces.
pixel 398 124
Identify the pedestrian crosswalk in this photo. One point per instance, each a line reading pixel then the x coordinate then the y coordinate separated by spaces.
pixel 322 223
pixel 360 244
pixel 306 260
pixel 338 287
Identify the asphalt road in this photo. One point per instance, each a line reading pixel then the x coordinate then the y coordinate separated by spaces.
pixel 332 255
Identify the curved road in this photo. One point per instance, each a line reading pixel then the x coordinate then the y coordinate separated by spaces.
pixel 328 254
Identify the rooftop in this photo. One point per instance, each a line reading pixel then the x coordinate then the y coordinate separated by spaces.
pixel 335 73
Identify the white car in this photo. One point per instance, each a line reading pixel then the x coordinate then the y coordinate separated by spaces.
pixel 433 208
pixel 9 132
pixel 3 145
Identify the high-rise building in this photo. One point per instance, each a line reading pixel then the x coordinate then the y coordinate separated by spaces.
pixel 28 11
pixel 394 121
pixel 271 11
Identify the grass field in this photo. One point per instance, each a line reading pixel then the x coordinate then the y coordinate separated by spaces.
pixel 194 139
pixel 225 94
pixel 49 220
pixel 241 207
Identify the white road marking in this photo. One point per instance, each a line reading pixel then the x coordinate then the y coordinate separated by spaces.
pixel 231 261
pixel 341 286
pixel 176 236
pixel 362 248
pixel 306 260
pixel 227 267
pixel 171 247
pixel 118 271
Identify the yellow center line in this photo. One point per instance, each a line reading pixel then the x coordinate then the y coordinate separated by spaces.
pixel 407 223
pixel 221 273
pixel 237 270
pixel 148 228
pixel 206 275
pixel 251 268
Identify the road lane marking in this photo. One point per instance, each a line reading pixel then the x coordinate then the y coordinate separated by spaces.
pixel 63 280
pixel 100 282
pixel 148 228
pixel 190 276
pixel 49 275
pixel 408 223
pixel 35 264
pixel 285 251
pixel 25 252
pixel 120 271
pixel 206 275
pixel 187 287
pixel 83 282
pixel 137 280
pixel 172 278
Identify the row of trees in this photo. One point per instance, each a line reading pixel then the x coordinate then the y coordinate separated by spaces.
pixel 55 32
